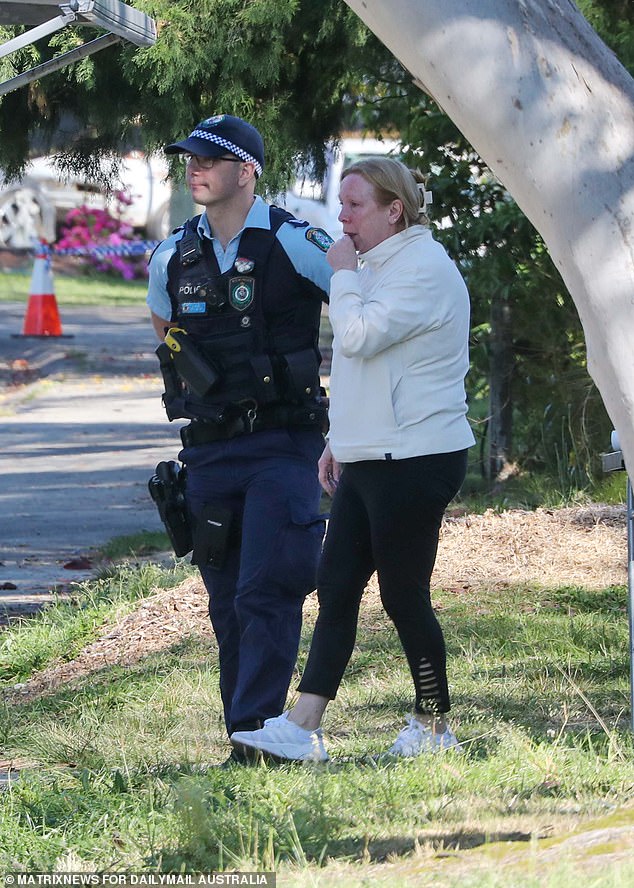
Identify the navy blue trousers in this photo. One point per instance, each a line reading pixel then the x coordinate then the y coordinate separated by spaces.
pixel 269 482
pixel 385 517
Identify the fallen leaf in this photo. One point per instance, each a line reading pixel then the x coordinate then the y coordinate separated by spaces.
pixel 78 564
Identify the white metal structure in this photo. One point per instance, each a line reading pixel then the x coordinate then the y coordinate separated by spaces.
pixel 120 21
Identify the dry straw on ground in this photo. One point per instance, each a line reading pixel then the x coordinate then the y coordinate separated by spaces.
pixel 551 547
pixel 581 547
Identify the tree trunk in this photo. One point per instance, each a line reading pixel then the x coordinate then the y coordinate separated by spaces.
pixel 501 365
pixel 551 110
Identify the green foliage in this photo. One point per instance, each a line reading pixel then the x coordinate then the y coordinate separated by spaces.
pixel 532 489
pixel 614 21
pixel 282 65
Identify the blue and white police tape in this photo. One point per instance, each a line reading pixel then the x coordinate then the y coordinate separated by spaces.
pixel 133 248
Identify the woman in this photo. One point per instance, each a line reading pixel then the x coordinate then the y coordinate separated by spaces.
pixel 396 455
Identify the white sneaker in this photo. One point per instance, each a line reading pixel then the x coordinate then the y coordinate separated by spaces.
pixel 282 740
pixel 415 739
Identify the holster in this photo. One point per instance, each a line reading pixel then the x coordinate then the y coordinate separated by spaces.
pixel 173 389
pixel 191 366
pixel 167 489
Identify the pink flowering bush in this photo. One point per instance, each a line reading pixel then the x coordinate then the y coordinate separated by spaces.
pixel 86 227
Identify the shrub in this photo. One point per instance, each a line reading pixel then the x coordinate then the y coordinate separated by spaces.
pixel 86 229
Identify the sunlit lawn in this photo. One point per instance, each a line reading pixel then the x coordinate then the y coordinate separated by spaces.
pixel 126 772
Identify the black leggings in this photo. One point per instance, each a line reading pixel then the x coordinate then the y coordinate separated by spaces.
pixel 386 516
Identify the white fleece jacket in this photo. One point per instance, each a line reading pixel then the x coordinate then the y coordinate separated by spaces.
pixel 400 352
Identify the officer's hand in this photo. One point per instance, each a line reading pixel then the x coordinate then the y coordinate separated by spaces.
pixel 342 254
pixel 329 471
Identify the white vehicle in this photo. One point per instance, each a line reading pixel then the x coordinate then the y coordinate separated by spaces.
pixel 318 202
pixel 34 207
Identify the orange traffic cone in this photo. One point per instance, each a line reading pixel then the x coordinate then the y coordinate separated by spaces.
pixel 42 317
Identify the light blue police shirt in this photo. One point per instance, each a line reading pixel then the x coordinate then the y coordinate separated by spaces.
pixel 307 258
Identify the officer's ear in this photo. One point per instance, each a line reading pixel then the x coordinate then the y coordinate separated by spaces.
pixel 247 173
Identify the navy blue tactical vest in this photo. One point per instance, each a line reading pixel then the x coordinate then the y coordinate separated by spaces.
pixel 256 325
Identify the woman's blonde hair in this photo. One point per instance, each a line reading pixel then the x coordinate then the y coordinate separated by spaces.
pixel 392 180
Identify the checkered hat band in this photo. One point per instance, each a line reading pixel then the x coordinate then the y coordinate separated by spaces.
pixel 230 146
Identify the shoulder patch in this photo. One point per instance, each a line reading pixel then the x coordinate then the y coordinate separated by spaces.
pixel 320 238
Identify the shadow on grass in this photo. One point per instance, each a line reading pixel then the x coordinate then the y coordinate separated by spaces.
pixel 373 851
pixel 379 850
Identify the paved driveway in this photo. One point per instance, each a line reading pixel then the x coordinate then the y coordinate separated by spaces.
pixel 81 429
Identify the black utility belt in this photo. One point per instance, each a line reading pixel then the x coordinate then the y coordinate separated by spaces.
pixel 201 431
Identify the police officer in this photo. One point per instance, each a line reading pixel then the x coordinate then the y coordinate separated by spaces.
pixel 236 296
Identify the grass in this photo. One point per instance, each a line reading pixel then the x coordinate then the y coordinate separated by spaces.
pixel 59 632
pixel 120 769
pixel 128 777
pixel 532 490
pixel 94 289
pixel 145 542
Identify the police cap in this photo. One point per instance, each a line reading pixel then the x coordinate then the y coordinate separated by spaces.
pixel 223 133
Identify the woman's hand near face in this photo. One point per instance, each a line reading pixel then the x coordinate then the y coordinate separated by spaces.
pixel 329 471
pixel 342 254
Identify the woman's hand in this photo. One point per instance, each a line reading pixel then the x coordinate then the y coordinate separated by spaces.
pixel 329 471
pixel 342 254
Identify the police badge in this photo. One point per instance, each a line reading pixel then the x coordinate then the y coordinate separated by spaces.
pixel 241 292
pixel 320 238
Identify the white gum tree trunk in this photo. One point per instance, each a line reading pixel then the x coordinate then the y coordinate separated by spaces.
pixel 551 111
